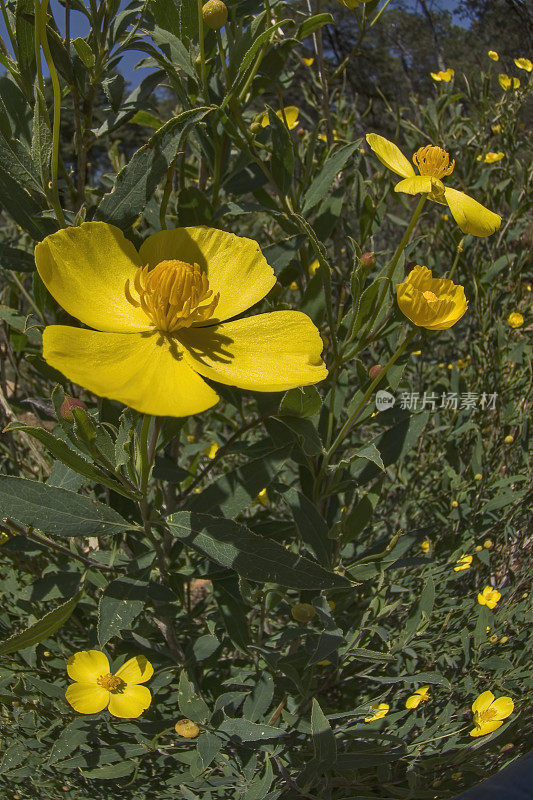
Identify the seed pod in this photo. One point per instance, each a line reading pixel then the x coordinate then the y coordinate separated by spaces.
pixel 187 728
pixel 68 404
pixel 303 612
pixel 214 14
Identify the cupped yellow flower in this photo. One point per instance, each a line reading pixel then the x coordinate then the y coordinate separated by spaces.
pixel 515 320
pixel 161 314
pixel 493 55
pixel 496 128
pixel 443 75
pixel 434 164
pixel 96 688
pixel 420 696
pixel 262 498
pixel 187 728
pixel 465 562
pixel 212 450
pixel 508 83
pixel 289 116
pixel 380 710
pixel 491 158
pixel 432 303
pixel 524 63
pixel 308 61
pixel 425 546
pixel 489 597
pixel 324 138
pixel 489 713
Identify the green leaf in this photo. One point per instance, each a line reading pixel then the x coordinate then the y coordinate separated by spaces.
pixel 16 259
pixel 301 402
pixel 261 560
pixel 250 731
pixel 56 511
pixel 191 706
pixel 84 51
pixel 42 629
pixel 121 603
pixel 20 205
pixel 392 446
pixel 323 181
pixel 147 120
pixel 312 24
pixel 233 611
pixel 24 32
pixel 109 772
pixel 323 738
pixel 312 527
pixel 250 54
pixel 137 182
pixel 60 450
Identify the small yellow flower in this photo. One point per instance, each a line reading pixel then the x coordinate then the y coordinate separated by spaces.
pixel 262 497
pixel 191 438
pixel 443 75
pixel 308 61
pixel 479 548
pixel 432 303
pixel 313 266
pixel 478 476
pixel 455 504
pixel 489 597
pixel 380 710
pixel 289 116
pixel 488 544
pixel 161 314
pixel 491 158
pixel 515 320
pixel 303 612
pixel 489 713
pixel 493 55
pixel 524 63
pixel 509 439
pixel 416 353
pixel 494 638
pixel 434 164
pixel 465 562
pixel 420 696
pixel 497 128
pixel 187 728
pixel 508 83
pixel 425 546
pixel 293 286
pixel 212 450
pixel 95 688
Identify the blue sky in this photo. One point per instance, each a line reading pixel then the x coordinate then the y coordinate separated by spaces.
pixel 80 27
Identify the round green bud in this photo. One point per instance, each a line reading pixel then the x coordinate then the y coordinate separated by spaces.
pixel 303 612
pixel 214 14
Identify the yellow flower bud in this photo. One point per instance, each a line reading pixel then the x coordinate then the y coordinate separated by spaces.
pixel 479 548
pixel 493 55
pixel 68 404
pixel 509 439
pixel 504 639
pixel 303 612
pixel 375 370
pixel 488 543
pixel 515 320
pixel 454 503
pixel 187 728
pixel 493 639
pixel 214 14
pixel 478 476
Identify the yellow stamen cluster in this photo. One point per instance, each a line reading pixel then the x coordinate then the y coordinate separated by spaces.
pixel 173 294
pixel 110 682
pixel 433 161
pixel 484 716
pixel 431 297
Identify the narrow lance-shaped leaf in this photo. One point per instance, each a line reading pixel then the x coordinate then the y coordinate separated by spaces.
pixel 42 629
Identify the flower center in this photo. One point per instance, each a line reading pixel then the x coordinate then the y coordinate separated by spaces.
pixel 110 682
pixel 173 294
pixel 433 161
pixel 430 296
pixel 485 716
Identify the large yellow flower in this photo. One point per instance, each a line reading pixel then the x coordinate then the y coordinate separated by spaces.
pixel 434 164
pixel 489 713
pixel 432 303
pixel 160 314
pixel 96 688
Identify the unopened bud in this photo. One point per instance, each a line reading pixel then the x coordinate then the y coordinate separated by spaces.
pixel 187 728
pixel 479 548
pixel 303 612
pixel 504 640
pixel 509 439
pixel 478 476
pixel 494 638
pixel 375 370
pixel 214 14
pixel 256 128
pixel 454 503
pixel 488 544
pixel 68 404
pixel 300 131
pixel 368 259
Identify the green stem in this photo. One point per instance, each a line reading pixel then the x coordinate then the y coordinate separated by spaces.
pixel 460 248
pixel 223 61
pixel 203 69
pixel 346 428
pixel 41 12
pixel 9 29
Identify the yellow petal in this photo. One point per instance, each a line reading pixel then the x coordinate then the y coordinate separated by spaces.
pixel 266 353
pixel 482 702
pixel 486 727
pixel 87 698
pixel 144 371
pixel 87 665
pixel 503 706
pixel 390 155
pixel 130 703
pixel 413 701
pixel 85 269
pixel 137 670
pixel 234 265
pixel 470 215
pixel 289 116
pixel 524 63
pixel 417 184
